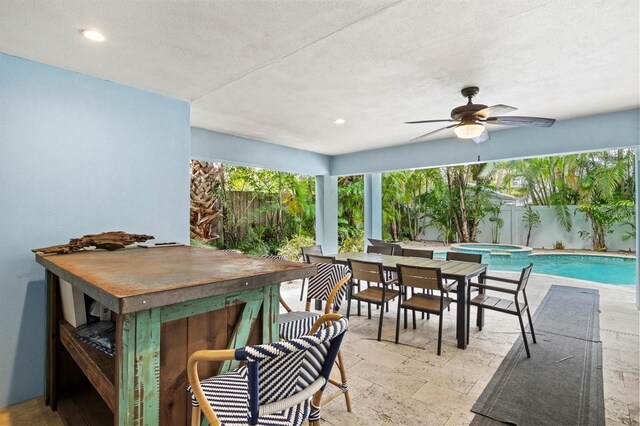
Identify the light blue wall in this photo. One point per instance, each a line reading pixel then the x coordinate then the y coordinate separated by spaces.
pixel 221 147
pixel 614 130
pixel 78 155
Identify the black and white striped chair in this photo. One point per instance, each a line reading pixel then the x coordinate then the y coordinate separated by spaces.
pixel 305 252
pixel 281 384
pixel 274 256
pixel 329 285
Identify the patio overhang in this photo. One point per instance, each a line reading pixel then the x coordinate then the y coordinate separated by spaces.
pixel 593 133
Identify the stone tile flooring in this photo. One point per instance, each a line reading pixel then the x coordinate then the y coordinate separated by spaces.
pixel 408 384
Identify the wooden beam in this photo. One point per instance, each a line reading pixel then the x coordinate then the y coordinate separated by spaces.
pixel 147 357
pixel 207 304
pixel 242 331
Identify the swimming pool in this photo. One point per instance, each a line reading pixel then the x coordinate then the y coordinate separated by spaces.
pixel 602 269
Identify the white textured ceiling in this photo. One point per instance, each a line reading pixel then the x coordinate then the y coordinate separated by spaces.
pixel 282 71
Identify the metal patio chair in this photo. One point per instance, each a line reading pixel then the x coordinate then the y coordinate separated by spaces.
pixel 316 258
pixel 372 273
pixel 425 278
pixel 426 254
pixel 511 306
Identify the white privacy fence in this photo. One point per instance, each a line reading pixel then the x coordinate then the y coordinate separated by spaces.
pixel 514 230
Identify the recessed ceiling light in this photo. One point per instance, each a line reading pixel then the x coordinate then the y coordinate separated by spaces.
pixel 340 121
pixel 92 35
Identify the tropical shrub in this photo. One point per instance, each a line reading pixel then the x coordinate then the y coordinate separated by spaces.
pixel 291 246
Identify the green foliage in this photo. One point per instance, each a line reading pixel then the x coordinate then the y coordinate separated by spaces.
pixel 454 200
pixel 287 208
pixel 602 184
pixel 558 245
pixel 194 242
pixel 531 219
pixel 605 196
pixel 350 210
pixel 405 202
pixel 602 217
pixel 496 222
pixel 469 190
pixel 631 232
pixel 353 243
pixel 563 216
pixel 291 247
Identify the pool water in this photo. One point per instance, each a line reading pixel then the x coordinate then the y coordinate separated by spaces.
pixel 602 269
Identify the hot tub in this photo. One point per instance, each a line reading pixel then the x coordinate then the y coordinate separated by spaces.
pixel 499 250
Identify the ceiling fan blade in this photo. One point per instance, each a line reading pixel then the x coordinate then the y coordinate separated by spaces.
pixel 484 136
pixel 494 110
pixel 431 133
pixel 431 121
pixel 521 121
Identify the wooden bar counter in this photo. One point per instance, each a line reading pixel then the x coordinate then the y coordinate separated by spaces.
pixel 167 302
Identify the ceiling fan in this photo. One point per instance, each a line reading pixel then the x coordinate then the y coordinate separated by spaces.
pixel 470 119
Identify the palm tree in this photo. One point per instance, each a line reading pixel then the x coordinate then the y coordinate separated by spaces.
pixel 468 188
pixel 531 220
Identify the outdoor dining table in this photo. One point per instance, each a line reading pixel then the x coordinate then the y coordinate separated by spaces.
pixel 166 303
pixel 451 269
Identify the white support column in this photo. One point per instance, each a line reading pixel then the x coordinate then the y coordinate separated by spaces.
pixel 372 207
pixel 327 213
pixel 637 226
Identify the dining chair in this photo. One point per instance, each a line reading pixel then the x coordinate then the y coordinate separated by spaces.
pixel 329 285
pixel 281 384
pixel 397 248
pixel 426 254
pixel 388 250
pixel 316 258
pixel 372 273
pixel 305 251
pixel 274 256
pixel 426 278
pixel 509 306
pixel 317 249
pixel 462 257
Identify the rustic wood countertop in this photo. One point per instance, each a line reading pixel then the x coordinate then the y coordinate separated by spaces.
pixel 136 279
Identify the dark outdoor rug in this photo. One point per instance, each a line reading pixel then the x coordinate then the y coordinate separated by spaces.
pixel 561 384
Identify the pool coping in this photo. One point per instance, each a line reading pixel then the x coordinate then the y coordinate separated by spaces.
pixel 520 249
pixel 568 278
pixel 621 256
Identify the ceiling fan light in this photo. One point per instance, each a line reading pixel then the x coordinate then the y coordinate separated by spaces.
pixel 469 131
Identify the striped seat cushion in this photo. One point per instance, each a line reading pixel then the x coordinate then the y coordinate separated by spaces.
pixel 228 395
pixel 297 323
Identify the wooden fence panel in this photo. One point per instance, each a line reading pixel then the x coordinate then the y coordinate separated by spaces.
pixel 248 210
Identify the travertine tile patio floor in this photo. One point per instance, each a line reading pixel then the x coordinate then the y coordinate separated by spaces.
pixel 408 384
